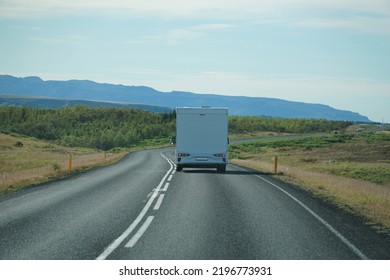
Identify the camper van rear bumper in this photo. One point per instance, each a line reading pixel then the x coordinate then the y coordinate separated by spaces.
pixel 218 161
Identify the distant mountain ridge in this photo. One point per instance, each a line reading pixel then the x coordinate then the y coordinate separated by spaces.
pixel 54 103
pixel 81 90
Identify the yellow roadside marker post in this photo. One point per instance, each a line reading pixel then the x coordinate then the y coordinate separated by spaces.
pixel 276 165
pixel 70 162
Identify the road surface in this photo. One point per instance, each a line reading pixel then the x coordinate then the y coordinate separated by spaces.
pixel 140 208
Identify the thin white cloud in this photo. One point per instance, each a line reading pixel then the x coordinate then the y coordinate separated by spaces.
pixel 172 36
pixel 26 28
pixel 212 26
pixel 71 39
pixel 188 33
pixel 181 8
pixel 183 34
pixel 28 8
pixel 365 16
pixel 195 32
pixel 374 25
pixel 371 6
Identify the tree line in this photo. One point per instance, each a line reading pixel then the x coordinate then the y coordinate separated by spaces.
pixel 101 128
pixel 239 124
pixel 107 128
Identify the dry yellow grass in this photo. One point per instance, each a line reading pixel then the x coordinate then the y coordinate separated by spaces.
pixel 369 200
pixel 35 161
pixel 257 134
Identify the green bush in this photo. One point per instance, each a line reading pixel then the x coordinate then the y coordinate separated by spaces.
pixel 18 144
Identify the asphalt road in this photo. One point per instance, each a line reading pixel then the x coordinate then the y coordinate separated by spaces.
pixel 140 208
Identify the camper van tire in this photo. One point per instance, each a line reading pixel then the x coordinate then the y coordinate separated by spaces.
pixel 221 168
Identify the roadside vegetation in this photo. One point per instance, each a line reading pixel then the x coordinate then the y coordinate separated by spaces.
pixel 80 126
pixel 244 126
pixel 28 161
pixel 351 171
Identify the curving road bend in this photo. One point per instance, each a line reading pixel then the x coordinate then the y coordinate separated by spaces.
pixel 140 208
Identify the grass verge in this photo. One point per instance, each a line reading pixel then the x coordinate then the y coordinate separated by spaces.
pixel 27 161
pixel 349 171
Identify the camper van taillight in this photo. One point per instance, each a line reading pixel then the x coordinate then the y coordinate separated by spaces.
pixel 220 155
pixel 183 155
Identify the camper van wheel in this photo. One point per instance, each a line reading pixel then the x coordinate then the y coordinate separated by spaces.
pixel 179 168
pixel 221 168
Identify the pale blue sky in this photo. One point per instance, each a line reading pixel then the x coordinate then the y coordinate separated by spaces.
pixel 334 52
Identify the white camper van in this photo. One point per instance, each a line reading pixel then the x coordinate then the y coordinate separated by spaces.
pixel 201 138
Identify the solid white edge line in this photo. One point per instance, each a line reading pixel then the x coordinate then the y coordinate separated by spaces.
pixel 159 201
pixel 129 230
pixel 321 220
pixel 139 233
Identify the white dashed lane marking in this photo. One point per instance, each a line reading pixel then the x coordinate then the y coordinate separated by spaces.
pixel 141 215
pixel 159 201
